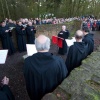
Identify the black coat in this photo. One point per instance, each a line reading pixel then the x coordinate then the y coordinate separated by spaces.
pixel 88 39
pixel 76 54
pixel 6 94
pixel 30 34
pixel 21 38
pixel 43 73
pixel 64 35
pixel 6 40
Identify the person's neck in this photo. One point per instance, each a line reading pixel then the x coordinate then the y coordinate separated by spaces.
pixel 78 40
pixel 43 51
pixel 86 33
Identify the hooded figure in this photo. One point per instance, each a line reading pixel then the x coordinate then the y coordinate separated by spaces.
pixel 21 37
pixel 43 71
pixel 88 39
pixel 30 30
pixel 77 52
pixel 6 39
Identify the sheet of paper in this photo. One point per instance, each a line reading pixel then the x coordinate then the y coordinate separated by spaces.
pixel 31 49
pixel 3 56
pixel 73 38
pixel 69 42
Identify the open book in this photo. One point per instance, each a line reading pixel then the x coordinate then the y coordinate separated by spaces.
pixel 3 56
pixel 31 49
pixel 70 41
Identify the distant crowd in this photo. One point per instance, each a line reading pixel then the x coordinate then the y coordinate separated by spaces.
pixel 39 21
pixel 91 23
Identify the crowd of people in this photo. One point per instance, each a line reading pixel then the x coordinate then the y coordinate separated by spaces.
pixel 91 23
pixel 25 31
pixel 44 71
pixel 22 29
pixel 39 21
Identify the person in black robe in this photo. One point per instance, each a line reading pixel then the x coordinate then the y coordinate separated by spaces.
pixel 63 34
pixel 5 92
pixel 43 71
pixel 76 53
pixel 88 39
pixel 6 38
pixel 21 37
pixel 11 24
pixel 30 30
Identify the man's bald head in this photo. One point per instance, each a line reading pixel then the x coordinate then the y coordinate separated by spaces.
pixel 30 23
pixel 42 43
pixel 63 28
pixel 79 35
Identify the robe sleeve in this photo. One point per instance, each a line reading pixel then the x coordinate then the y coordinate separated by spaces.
pixel 28 31
pixel 8 92
pixel 69 58
pixel 62 71
pixel 34 29
pixel 20 31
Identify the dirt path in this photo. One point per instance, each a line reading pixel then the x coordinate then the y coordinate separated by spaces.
pixel 14 70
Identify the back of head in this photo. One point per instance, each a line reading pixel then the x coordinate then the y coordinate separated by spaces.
pixel 42 43
pixel 3 23
pixel 79 35
pixel 85 29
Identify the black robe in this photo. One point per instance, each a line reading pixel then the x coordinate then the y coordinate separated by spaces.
pixel 43 73
pixel 6 40
pixel 5 93
pixel 30 34
pixel 76 54
pixel 65 35
pixel 21 38
pixel 88 39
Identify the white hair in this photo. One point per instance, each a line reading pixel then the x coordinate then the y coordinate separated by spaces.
pixel 42 46
pixel 64 27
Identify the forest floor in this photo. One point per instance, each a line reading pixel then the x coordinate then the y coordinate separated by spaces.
pixel 13 68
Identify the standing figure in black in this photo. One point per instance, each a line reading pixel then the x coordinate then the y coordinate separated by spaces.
pixel 21 37
pixel 88 39
pixel 77 52
pixel 6 38
pixel 63 34
pixel 30 33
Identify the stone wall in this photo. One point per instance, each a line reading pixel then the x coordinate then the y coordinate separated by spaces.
pixel 50 30
pixel 83 82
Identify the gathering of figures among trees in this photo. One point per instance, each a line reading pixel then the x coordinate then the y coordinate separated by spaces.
pixel 44 71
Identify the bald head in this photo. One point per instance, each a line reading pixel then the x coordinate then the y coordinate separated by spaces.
pixel 30 23
pixel 63 28
pixel 42 43
pixel 79 35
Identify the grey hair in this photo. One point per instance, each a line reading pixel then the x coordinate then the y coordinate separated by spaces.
pixel 42 46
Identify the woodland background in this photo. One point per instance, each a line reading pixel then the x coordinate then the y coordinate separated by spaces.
pixel 41 8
